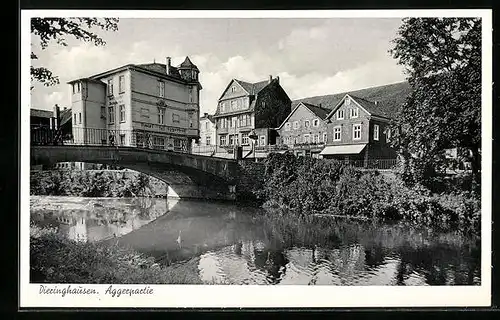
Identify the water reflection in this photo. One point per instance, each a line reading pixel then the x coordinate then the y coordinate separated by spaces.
pixel 234 245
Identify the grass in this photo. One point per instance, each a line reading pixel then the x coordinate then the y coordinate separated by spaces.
pixel 56 259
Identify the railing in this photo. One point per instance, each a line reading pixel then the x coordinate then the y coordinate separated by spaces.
pixel 105 137
pixel 271 148
pixel 307 146
pixel 380 164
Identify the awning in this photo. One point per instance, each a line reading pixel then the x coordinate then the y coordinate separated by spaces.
pixel 346 149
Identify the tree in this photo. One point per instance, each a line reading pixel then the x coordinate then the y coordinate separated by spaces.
pixel 442 59
pixel 57 29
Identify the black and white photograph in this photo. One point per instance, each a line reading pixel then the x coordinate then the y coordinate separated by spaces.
pixel 222 159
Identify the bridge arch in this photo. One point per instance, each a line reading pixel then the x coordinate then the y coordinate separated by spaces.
pixel 187 175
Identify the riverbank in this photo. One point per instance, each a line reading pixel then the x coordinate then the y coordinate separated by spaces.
pixel 305 186
pixel 96 183
pixel 57 259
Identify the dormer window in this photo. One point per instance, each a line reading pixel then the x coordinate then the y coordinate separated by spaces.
pixel 233 89
pixel 347 101
pixel 340 114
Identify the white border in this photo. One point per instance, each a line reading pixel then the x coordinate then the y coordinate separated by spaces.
pixel 202 296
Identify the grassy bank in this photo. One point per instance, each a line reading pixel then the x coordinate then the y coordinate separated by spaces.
pixel 56 259
pixel 95 183
pixel 305 186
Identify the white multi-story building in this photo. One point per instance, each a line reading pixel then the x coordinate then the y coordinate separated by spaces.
pixel 148 105
pixel 207 130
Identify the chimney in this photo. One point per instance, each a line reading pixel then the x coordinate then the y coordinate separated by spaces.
pixel 205 114
pixel 278 79
pixel 168 64
pixel 270 78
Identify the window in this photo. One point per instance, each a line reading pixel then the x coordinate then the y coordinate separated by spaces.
pixel 208 140
pixel 121 84
pixel 190 95
pixel 111 112
pixel 354 113
pixel 103 112
pixel 144 113
pixel 340 114
pixel 375 132
pixel 287 126
pixel 161 115
pixel 306 123
pixel 222 107
pixel 238 103
pixel 161 88
pixel 316 122
pixel 222 140
pixel 307 138
pixel 122 139
pixel 223 123
pixel 244 138
pixel 159 142
pixel 347 101
pixel 356 131
pixel 316 138
pixel 122 113
pixel 74 118
pixel 177 142
pixel 337 133
pixel 233 105
pixel 110 87
pixel 233 122
pixel 262 140
pixel 295 124
pixel 80 118
pixel 233 89
pixel 176 118
pixel 231 139
pixel 325 135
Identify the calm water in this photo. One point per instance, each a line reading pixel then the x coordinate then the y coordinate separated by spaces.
pixel 233 245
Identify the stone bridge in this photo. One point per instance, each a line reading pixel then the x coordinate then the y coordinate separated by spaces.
pixel 187 175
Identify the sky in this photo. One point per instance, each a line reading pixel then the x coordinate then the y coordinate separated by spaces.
pixel 311 56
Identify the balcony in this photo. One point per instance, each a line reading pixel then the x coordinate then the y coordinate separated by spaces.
pixel 316 146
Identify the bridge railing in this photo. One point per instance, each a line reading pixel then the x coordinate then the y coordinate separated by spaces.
pixel 379 164
pixel 106 137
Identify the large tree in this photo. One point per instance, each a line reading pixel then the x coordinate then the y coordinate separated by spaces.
pixel 58 29
pixel 442 59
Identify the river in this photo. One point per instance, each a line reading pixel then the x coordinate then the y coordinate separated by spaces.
pixel 233 244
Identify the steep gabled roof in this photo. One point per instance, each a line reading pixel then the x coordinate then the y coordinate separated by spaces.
pixel 389 98
pixel 252 88
pixel 320 112
pixel 187 64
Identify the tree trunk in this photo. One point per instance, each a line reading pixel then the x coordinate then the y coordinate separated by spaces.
pixel 476 167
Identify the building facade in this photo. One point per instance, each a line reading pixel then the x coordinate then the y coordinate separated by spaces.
pixel 247 109
pixel 304 131
pixel 358 129
pixel 147 105
pixel 207 130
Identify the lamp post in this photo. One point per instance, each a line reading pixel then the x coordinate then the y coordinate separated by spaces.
pixel 254 138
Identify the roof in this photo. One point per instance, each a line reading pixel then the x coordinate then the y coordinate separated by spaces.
pixel 187 64
pixel 160 68
pixel 65 116
pixel 343 149
pixel 253 88
pixel 388 97
pixel 209 117
pixel 317 110
pixel 41 113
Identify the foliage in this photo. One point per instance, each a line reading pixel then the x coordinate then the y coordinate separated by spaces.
pixel 304 186
pixel 442 57
pixel 57 29
pixel 56 259
pixel 92 184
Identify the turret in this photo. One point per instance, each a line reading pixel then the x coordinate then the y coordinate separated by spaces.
pixel 189 71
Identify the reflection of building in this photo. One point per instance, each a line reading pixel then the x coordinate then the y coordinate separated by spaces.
pixel 244 107
pixel 78 231
pixel 148 105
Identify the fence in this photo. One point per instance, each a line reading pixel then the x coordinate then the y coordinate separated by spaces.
pixel 107 137
pixel 379 164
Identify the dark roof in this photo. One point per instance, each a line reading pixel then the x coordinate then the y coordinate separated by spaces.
pixel 65 116
pixel 253 88
pixel 187 64
pixel 317 110
pixel 209 117
pixel 160 68
pixel 41 113
pixel 388 97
